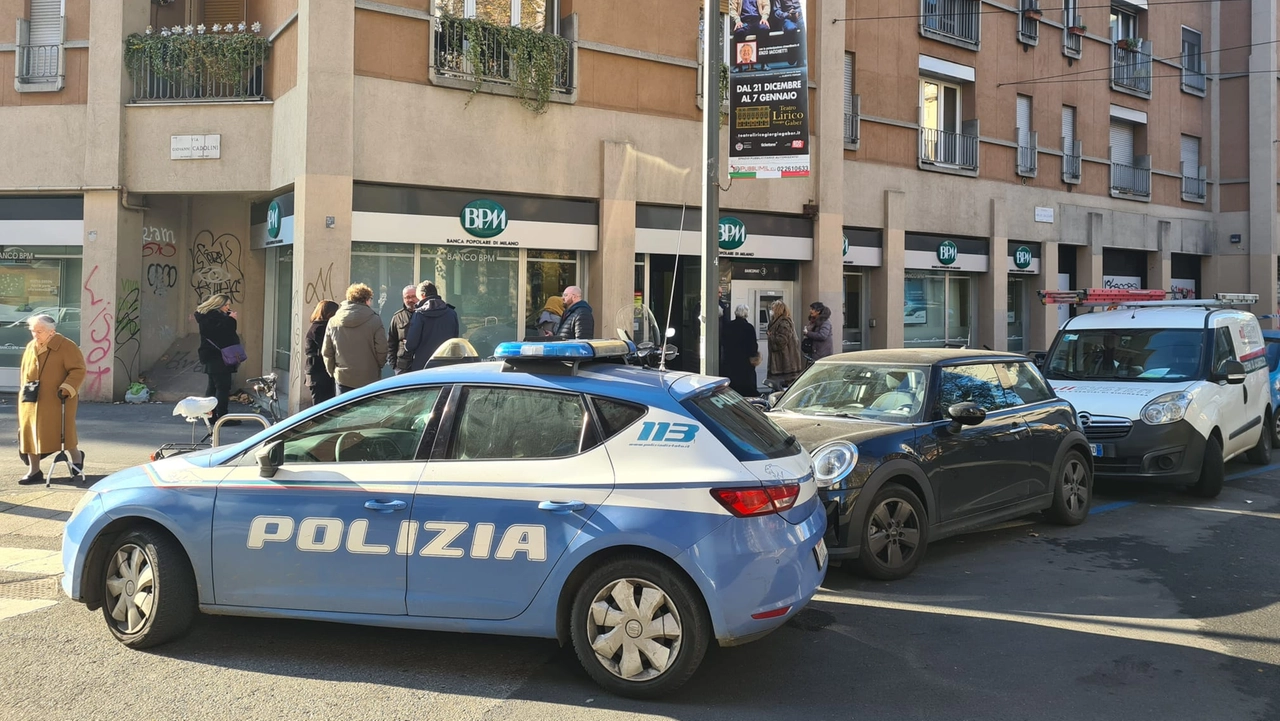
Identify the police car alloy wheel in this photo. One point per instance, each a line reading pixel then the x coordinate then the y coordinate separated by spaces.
pixel 639 628
pixel 149 594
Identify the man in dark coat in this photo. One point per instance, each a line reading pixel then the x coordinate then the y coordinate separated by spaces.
pixel 740 346
pixel 398 359
pixel 578 321
pixel 434 322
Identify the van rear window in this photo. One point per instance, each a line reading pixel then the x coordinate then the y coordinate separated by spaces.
pixel 747 432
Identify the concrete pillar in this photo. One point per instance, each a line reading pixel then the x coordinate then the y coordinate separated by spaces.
pixel 1262 156
pixel 992 314
pixel 1089 256
pixel 885 287
pixel 1159 262
pixel 611 269
pixel 1042 320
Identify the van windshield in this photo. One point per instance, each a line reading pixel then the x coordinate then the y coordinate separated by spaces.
pixel 1160 355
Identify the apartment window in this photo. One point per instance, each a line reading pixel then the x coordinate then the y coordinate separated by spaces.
pixel 38 62
pixel 1130 172
pixel 945 139
pixel 532 14
pixel 1029 22
pixel 1130 55
pixel 852 109
pixel 1072 29
pixel 1193 180
pixel 954 21
pixel 223 12
pixel 1026 138
pixel 1124 24
pixel 1070 146
pixel 1192 62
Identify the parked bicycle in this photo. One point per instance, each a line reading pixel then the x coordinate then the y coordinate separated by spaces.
pixel 263 398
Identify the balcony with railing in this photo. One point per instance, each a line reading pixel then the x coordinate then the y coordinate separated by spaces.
pixel 1193 79
pixel 953 21
pixel 1193 183
pixel 1073 36
pixel 1134 180
pixel 532 65
pixel 1028 154
pixel 1029 22
pixel 852 118
pixel 37 66
pixel 194 68
pixel 944 149
pixel 1071 156
pixel 1131 66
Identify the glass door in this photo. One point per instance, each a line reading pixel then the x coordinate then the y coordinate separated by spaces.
pixel 281 260
pixel 937 310
pixel 853 314
pixel 959 310
pixel 1017 314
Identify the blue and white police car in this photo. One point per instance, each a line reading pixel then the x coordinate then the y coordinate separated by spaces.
pixel 556 492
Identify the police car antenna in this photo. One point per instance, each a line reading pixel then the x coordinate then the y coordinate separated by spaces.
pixel 671 303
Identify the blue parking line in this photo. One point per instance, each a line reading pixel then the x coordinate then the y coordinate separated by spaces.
pixel 1110 506
pixel 1254 472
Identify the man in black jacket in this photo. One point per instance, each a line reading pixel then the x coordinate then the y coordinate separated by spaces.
pixel 578 321
pixel 434 322
pixel 398 359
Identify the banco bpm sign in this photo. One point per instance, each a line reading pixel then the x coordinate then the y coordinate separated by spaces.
pixel 483 218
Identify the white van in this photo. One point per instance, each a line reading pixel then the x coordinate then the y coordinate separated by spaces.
pixel 1167 390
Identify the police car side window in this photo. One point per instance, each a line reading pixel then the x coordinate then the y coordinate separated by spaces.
pixel 497 423
pixel 616 415
pixel 1024 384
pixel 978 384
pixel 379 428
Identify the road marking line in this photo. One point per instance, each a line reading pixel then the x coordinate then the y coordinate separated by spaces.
pixel 1110 506
pixel 1254 472
pixel 10 607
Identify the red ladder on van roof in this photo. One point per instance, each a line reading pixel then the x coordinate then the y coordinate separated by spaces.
pixel 1100 296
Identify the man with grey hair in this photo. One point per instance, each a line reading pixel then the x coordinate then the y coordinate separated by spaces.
pixel 398 359
pixel 433 323
pixel 578 321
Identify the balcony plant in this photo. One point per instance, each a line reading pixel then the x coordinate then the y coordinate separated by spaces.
pixel 1032 12
pixel 179 54
pixel 530 59
pixel 1077 29
pixel 1130 44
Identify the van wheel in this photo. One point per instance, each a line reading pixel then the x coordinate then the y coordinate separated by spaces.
pixel 1275 429
pixel 1261 454
pixel 894 534
pixel 1212 470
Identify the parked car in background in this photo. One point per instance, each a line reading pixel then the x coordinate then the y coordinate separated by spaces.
pixel 914 445
pixel 1272 340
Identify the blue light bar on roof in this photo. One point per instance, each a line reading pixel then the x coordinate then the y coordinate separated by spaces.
pixel 565 350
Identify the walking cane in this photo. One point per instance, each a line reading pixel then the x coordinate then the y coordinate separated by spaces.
pixel 62 455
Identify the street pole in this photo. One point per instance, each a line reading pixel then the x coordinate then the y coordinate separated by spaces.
pixel 712 49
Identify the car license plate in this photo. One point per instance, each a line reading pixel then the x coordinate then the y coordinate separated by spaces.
pixel 1097 449
pixel 820 553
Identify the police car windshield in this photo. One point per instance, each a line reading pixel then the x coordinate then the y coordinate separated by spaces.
pixel 741 427
pixel 887 393
pixel 1157 355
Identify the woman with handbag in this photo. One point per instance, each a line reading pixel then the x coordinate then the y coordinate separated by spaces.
pixel 785 364
pixel 51 373
pixel 220 350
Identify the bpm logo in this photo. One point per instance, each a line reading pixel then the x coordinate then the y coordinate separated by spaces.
pixel 1022 257
pixel 483 218
pixel 733 233
pixel 273 220
pixel 948 253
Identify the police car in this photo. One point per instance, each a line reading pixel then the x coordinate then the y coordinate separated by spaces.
pixel 556 492
pixel 1166 390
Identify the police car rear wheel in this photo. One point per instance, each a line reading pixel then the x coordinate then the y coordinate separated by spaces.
pixel 638 628
pixel 149 595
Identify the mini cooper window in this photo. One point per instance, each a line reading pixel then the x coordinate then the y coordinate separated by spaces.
pixel 384 427
pixel 1102 354
pixel 978 384
pixel 509 423
pixel 1023 381
pixel 873 391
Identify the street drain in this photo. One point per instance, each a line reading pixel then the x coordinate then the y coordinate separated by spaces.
pixel 38 588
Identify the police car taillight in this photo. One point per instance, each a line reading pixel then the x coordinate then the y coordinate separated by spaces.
pixel 747 502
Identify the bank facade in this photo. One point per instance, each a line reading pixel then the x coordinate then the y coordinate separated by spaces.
pixel 359 148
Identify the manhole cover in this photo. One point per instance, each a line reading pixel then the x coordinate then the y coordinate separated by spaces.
pixel 39 588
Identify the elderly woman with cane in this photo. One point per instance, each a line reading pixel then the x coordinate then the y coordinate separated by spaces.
pixel 51 373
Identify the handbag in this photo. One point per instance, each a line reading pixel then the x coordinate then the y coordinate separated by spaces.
pixel 232 355
pixel 755 360
pixel 31 389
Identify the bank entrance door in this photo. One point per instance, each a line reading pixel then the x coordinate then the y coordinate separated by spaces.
pixel 759 296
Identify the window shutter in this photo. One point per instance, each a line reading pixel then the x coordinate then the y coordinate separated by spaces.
pixel 1190 156
pixel 1068 128
pixel 46 23
pixel 1121 143
pixel 223 11
pixel 724 7
pixel 1024 120
pixel 848 83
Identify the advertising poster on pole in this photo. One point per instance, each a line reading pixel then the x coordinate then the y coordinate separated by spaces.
pixel 768 89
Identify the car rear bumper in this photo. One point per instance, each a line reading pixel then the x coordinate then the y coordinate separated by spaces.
pixel 759 565
pixel 1170 453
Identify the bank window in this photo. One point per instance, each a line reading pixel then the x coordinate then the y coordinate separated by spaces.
pixel 547 274
pixel 40 280
pixel 381 428
pixel 508 423
pixel 531 14
pixel 979 384
pixel 385 267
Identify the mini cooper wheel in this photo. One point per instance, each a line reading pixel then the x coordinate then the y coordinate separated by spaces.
pixel 1073 492
pixel 149 593
pixel 639 628
pixel 894 534
pixel 1260 454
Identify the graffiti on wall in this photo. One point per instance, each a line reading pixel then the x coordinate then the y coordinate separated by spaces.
pixel 98 357
pixel 162 278
pixel 320 288
pixel 129 311
pixel 215 266
pixel 157 241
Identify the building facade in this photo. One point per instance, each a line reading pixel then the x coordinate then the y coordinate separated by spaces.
pixel 965 154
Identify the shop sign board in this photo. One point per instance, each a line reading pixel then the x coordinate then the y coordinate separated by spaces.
pixel 483 218
pixel 769 92
pixel 195 147
pixel 1022 261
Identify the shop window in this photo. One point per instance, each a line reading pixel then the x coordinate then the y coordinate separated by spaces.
pixel 482 283
pixel 34 281
pixel 547 274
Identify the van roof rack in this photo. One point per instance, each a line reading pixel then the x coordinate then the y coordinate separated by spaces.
pixel 1140 298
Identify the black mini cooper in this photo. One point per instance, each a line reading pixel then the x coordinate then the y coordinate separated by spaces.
pixel 910 446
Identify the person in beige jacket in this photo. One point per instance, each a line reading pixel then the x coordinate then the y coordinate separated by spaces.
pixel 355 343
pixel 55 367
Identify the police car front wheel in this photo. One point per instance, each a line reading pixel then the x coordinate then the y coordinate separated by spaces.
pixel 639 628
pixel 149 594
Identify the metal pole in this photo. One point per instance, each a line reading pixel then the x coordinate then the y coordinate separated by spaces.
pixel 712 49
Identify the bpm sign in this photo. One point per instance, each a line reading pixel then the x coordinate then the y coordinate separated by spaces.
pixel 483 218
pixel 948 253
pixel 733 233
pixel 273 220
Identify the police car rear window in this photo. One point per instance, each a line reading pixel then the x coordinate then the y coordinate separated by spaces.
pixel 749 434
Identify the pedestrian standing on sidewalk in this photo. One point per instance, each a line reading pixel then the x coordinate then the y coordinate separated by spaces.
pixel 355 343
pixel 818 342
pixel 51 372
pixel 398 359
pixel 434 322
pixel 319 382
pixel 578 321
pixel 217 324
pixel 784 347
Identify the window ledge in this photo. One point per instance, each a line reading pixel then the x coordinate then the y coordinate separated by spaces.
pixel 1130 196
pixel 947 169
pixel 1189 90
pixel 1194 199
pixel 1129 91
pixel 39 86
pixel 854 145
pixel 950 39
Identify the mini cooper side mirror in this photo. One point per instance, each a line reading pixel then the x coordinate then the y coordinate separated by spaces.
pixel 270 458
pixel 967 414
pixel 1231 371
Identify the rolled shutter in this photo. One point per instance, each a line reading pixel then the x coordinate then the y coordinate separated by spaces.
pixel 46 23
pixel 848 83
pixel 1024 121
pixel 1068 128
pixel 724 7
pixel 1121 142
pixel 1190 156
pixel 223 11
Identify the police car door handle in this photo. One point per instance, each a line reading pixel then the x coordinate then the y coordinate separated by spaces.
pixel 561 506
pixel 385 506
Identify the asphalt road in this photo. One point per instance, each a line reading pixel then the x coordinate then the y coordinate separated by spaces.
pixel 1161 606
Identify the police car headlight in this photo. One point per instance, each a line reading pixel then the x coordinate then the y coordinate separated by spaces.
pixel 1168 408
pixel 85 500
pixel 832 461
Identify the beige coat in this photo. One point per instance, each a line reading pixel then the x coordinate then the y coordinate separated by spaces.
pixel 355 345
pixel 41 425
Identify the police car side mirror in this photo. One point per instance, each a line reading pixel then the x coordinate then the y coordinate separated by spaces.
pixel 270 458
pixel 966 414
pixel 1231 371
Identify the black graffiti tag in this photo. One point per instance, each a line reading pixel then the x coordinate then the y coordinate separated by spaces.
pixel 162 278
pixel 215 266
